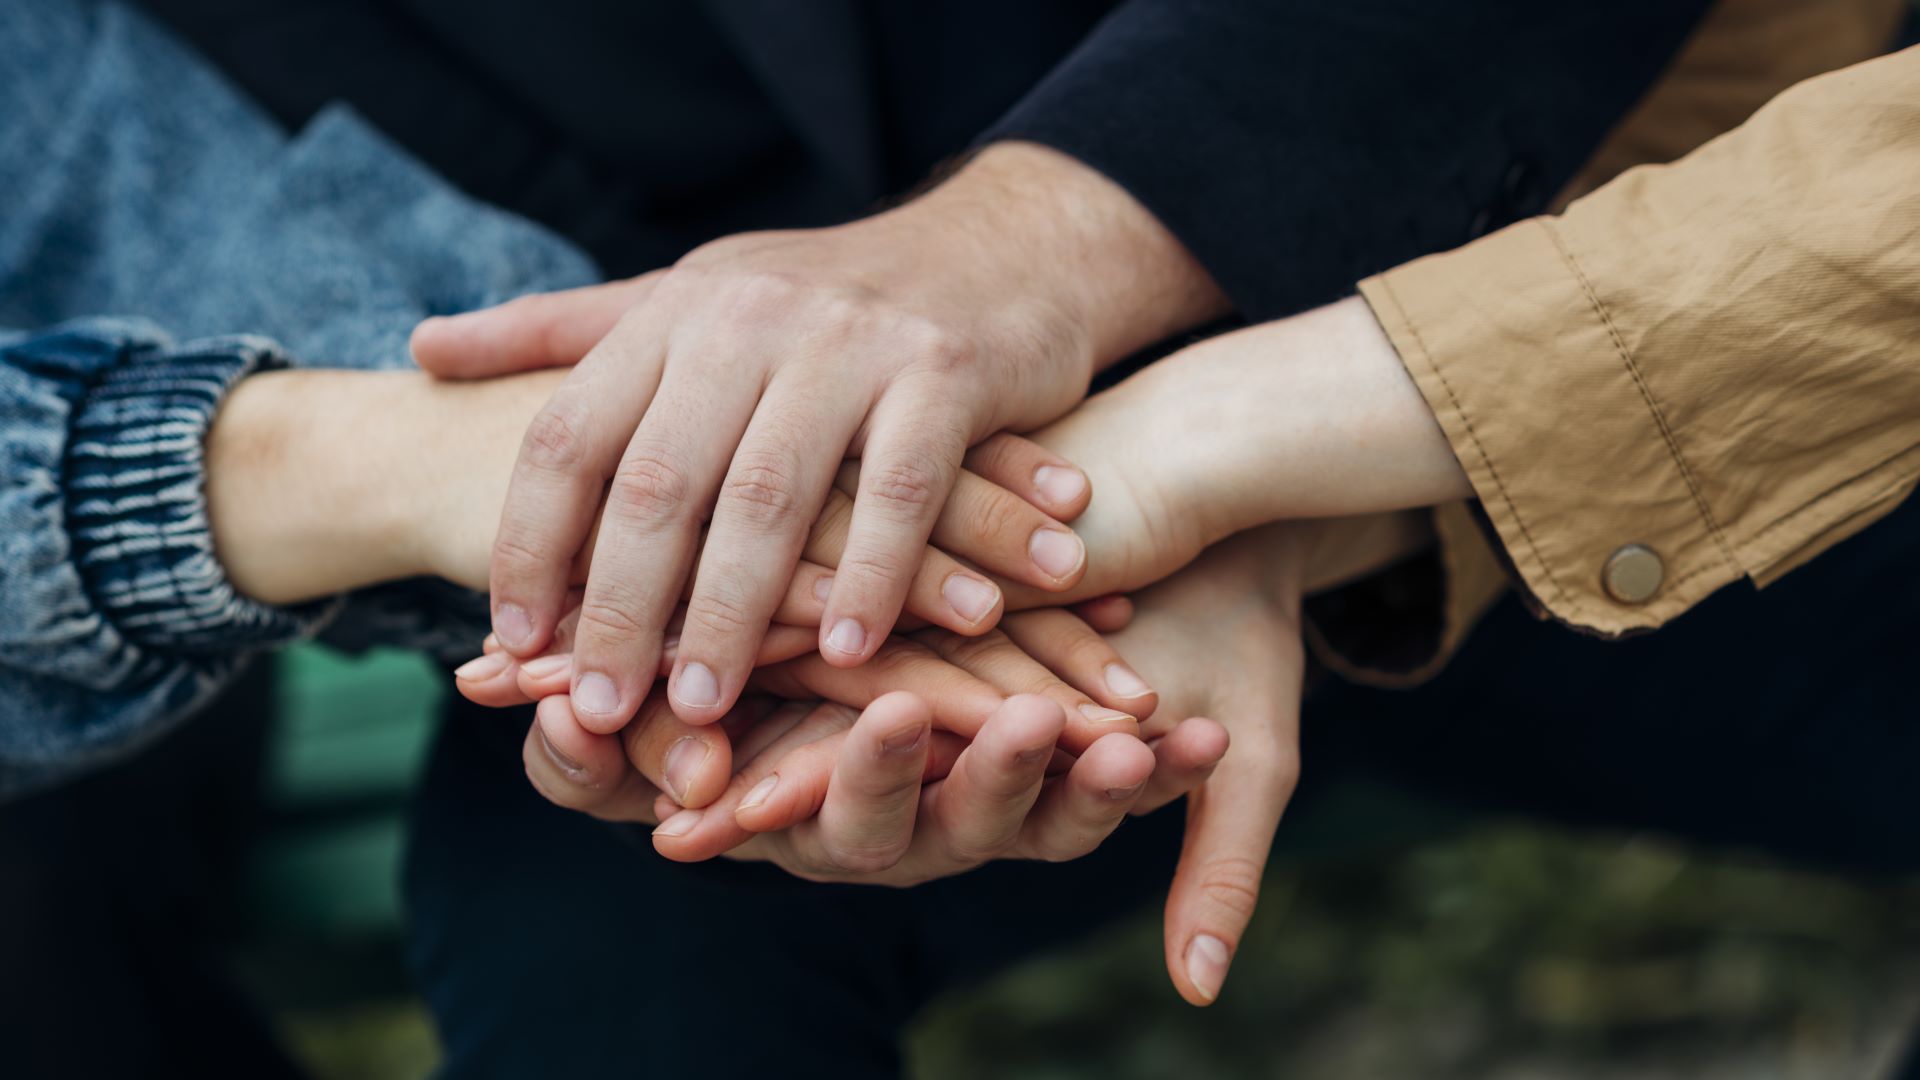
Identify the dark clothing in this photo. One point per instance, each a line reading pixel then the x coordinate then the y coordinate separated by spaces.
pixel 548 943
pixel 119 897
pixel 1294 146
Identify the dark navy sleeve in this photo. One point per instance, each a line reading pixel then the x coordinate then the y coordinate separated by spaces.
pixel 1297 146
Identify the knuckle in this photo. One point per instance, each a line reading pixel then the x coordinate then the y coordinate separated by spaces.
pixel 939 348
pixel 610 620
pixel 763 489
pixel 556 439
pixel 1087 651
pixel 516 554
pixel 650 483
pixel 972 851
pixel 997 519
pixel 860 858
pixel 719 616
pixel 1232 885
pixel 996 456
pixel 907 485
pixel 891 790
pixel 876 565
pixel 975 653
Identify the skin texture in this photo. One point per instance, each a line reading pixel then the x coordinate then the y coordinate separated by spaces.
pixel 1221 641
pixel 299 512
pixel 740 378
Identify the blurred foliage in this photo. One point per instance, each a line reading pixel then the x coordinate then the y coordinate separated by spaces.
pixel 1507 951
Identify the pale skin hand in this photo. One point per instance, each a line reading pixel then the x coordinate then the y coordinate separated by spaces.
pixel 740 378
pixel 1308 417
pixel 320 482
pixel 1223 635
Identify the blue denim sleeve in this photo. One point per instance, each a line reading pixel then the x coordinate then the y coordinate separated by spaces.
pixel 165 239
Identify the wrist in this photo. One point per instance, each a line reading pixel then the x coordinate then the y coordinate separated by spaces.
pixel 1059 229
pixel 300 494
pixel 1308 417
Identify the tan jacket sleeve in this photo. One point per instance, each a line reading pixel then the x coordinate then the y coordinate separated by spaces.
pixel 1700 371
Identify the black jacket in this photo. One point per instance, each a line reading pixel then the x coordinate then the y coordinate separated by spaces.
pixel 1294 146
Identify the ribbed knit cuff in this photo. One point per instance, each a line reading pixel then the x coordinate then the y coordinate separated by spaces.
pixel 136 500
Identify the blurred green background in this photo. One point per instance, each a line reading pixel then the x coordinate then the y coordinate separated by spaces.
pixel 1499 950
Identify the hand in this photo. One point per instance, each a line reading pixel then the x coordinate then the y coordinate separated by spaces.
pixel 1222 639
pixel 964 679
pixel 1308 417
pixel 740 378
pixel 320 482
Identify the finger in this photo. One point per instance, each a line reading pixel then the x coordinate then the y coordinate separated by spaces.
pixel 1034 473
pixel 773 490
pixel 689 762
pixel 1108 614
pixel 1230 826
pixel 1003 665
pixel 559 481
pixel 911 459
pixel 944 591
pixel 784 773
pixel 667 477
pixel 866 822
pixel 579 770
pixel 960 702
pixel 490 679
pixel 1183 760
pixel 1079 810
pixel 979 809
pixel 535 331
pixel 797 787
pixel 1071 649
pixel 998 531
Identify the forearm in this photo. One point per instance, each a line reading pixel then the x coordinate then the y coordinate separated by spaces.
pixel 1309 417
pixel 322 482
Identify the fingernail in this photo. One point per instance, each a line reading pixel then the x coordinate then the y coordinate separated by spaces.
pixel 670 645
pixel 823 588
pixel 1122 681
pixel 567 765
pixel 683 762
pixel 696 687
pixel 1100 715
pixel 511 625
pixel 760 792
pixel 1061 486
pixel 546 666
pixel 970 597
pixel 901 741
pixel 1056 551
pixel 482 667
pixel 847 637
pixel 595 693
pixel 679 824
pixel 1207 964
pixel 1122 794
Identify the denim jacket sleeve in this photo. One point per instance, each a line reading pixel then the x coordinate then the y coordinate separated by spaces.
pixel 164 239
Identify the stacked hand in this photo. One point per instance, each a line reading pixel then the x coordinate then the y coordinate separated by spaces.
pixel 801 719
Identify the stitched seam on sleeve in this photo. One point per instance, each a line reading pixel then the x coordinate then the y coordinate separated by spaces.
pixel 1559 594
pixel 1900 476
pixel 1646 395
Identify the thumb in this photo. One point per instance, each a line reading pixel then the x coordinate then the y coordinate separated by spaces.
pixel 1230 826
pixel 539 330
